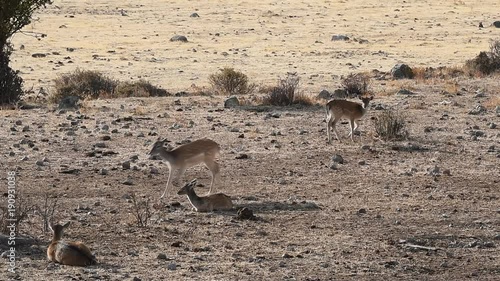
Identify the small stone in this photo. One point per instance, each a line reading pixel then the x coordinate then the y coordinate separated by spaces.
pixel 402 71
pixel 39 163
pixel 340 38
pixel 26 128
pixel 103 171
pixel 338 159
pixel 362 163
pixel 153 171
pixel 19 122
pixel 161 256
pixel 286 256
pixel 232 101
pixel 194 15
pixel 126 165
pixel 128 182
pixel 172 266
pixel 242 156
pixel 362 211
pixel 180 38
pixel 106 138
pixel 479 109
pixel 324 94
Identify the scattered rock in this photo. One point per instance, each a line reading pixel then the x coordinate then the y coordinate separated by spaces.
pixel 194 15
pixel 479 109
pixel 324 94
pixel 103 171
pixel 340 37
pixel 126 165
pixel 38 55
pixel 362 211
pixel 69 102
pixel 162 257
pixel 405 92
pixel 172 266
pixel 402 71
pixel 242 156
pixel 245 214
pixel 287 256
pixel 180 38
pixel 496 24
pixel 340 94
pixel 337 158
pixel 128 182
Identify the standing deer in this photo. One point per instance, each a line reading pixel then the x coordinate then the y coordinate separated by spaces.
pixel 189 155
pixel 336 109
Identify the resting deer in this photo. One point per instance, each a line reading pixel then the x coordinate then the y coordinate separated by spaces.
pixel 336 109
pixel 208 203
pixel 189 155
pixel 68 253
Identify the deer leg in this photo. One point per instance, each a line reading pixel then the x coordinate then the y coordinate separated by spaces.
pixel 215 170
pixel 169 180
pixel 334 125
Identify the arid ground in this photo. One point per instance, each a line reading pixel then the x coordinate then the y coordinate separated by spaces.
pixel 423 208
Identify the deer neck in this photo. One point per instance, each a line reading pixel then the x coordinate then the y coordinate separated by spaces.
pixel 166 155
pixel 193 198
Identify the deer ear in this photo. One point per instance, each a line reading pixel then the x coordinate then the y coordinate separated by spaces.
pixel 193 182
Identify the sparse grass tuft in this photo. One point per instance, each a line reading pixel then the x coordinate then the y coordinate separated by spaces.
pixel 231 82
pixel 391 125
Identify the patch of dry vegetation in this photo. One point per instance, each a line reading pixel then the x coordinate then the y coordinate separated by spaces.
pixel 88 84
pixel 231 82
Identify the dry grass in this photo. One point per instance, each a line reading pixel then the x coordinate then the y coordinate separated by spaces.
pixel 492 102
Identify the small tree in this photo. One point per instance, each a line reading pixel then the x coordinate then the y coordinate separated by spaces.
pixel 14 15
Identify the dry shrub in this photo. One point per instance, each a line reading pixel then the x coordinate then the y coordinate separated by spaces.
pixel 141 88
pixel 356 84
pixel 88 84
pixel 486 62
pixel 304 99
pixel 84 84
pixel 391 125
pixel 284 93
pixel 492 102
pixel 142 211
pixel 231 82
pixel 442 72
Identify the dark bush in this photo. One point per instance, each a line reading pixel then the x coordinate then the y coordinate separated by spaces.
pixel 391 125
pixel 230 82
pixel 11 84
pixel 486 62
pixel 284 93
pixel 356 84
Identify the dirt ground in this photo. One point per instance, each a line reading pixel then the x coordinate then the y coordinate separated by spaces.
pixel 426 208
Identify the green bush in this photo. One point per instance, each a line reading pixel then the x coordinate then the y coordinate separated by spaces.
pixel 230 82
pixel 391 125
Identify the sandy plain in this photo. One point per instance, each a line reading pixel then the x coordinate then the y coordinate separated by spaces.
pixel 386 213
